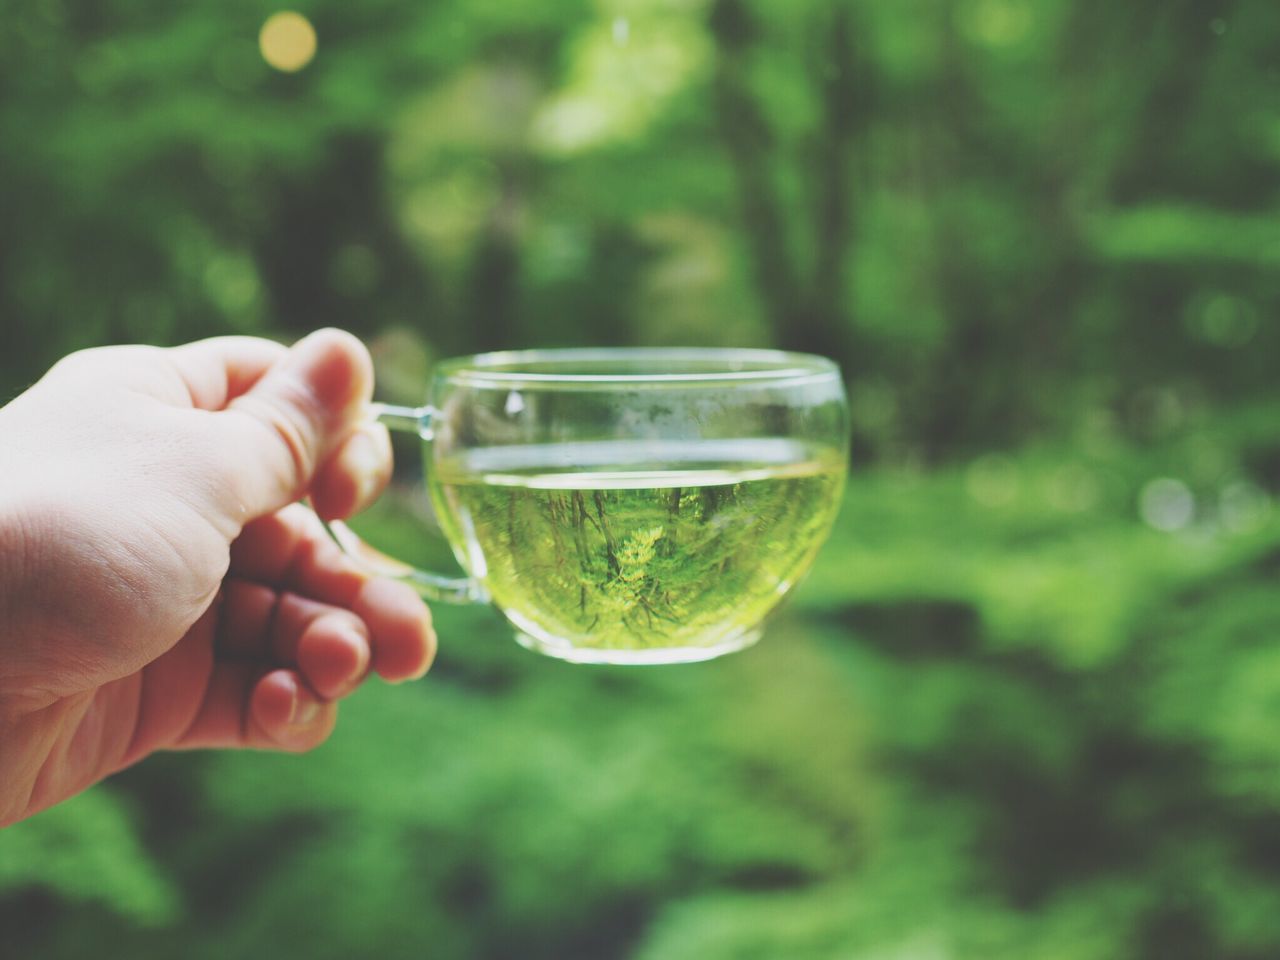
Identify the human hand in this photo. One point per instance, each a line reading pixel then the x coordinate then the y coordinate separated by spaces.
pixel 160 588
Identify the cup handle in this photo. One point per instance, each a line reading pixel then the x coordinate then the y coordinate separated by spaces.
pixel 432 586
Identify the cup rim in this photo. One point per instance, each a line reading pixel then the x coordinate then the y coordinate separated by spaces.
pixel 715 367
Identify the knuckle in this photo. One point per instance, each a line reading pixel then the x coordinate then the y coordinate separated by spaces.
pixel 288 425
pixel 295 441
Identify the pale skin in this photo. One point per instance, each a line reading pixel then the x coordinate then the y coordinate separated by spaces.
pixel 161 587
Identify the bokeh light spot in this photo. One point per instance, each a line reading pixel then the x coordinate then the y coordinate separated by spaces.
pixel 1243 507
pixel 1073 489
pixel 992 480
pixel 232 283
pixel 287 41
pixel 996 23
pixel 1166 504
pixel 1228 321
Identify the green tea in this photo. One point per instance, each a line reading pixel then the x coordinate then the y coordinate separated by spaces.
pixel 591 551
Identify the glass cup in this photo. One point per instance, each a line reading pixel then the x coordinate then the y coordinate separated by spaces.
pixel 627 505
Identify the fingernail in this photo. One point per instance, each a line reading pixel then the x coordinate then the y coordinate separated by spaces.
pixel 293 702
pixel 364 457
pixel 360 644
pixel 430 658
pixel 305 711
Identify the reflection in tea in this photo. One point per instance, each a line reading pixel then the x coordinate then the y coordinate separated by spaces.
pixel 594 547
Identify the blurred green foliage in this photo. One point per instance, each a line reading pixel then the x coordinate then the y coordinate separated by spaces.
pixel 1028 703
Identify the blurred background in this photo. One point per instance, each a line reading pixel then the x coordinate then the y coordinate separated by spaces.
pixel 1028 703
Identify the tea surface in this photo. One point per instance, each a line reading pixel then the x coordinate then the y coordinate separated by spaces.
pixel 588 546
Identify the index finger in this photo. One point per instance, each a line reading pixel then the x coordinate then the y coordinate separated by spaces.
pixel 290 550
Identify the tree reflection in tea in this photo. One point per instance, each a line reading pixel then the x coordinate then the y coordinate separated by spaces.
pixel 690 552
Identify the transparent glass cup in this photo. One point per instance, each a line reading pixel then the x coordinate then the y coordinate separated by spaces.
pixel 627 505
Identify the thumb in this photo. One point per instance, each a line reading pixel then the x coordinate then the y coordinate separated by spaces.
pixel 278 433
